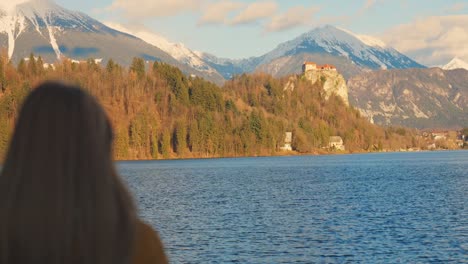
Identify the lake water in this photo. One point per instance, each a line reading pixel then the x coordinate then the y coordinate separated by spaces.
pixel 369 208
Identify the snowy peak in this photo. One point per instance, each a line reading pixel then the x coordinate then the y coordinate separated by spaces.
pixel 366 39
pixel 456 63
pixel 356 51
pixel 44 28
pixel 364 51
pixel 44 17
pixel 176 50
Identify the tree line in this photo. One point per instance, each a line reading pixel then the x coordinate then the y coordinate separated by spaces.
pixel 158 112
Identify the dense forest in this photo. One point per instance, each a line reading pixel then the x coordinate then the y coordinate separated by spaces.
pixel 158 112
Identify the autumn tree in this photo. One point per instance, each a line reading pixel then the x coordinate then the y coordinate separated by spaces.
pixel 166 143
pixel 180 137
pixel 138 67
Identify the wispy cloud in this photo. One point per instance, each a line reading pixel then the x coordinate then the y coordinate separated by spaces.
pixel 368 4
pixel 218 12
pixel 142 9
pixel 457 7
pixel 349 17
pixel 265 13
pixel 255 11
pixel 432 40
pixel 294 17
pixel 10 4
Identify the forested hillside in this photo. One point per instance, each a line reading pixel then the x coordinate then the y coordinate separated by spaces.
pixel 157 112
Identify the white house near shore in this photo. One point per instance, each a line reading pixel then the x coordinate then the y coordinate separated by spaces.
pixel 336 142
pixel 287 142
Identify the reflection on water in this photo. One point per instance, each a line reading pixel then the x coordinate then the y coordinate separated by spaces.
pixel 371 208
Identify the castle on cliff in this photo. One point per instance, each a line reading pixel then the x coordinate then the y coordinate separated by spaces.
pixel 312 66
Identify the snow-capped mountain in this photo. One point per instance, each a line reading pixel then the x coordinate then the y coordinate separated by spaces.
pixel 229 67
pixel 362 51
pixel 53 32
pixel 46 19
pixel 176 50
pixel 456 63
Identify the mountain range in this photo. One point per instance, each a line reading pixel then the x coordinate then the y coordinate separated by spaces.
pixel 384 84
pixel 421 98
pixel 53 32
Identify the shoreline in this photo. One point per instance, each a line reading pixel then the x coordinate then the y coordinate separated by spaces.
pixel 292 155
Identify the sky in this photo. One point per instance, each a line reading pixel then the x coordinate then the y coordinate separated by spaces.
pixel 430 31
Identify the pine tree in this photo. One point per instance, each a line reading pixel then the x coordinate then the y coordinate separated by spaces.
pixel 22 67
pixel 154 145
pixel 138 67
pixel 110 66
pixel 166 143
pixel 32 68
pixel 40 66
pixel 181 138
pixel 2 76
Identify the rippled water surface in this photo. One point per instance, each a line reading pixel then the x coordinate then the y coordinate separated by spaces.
pixel 371 208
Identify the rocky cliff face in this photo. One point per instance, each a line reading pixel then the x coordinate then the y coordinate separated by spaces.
pixel 333 83
pixel 421 98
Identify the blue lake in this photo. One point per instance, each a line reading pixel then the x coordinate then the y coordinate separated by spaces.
pixel 369 208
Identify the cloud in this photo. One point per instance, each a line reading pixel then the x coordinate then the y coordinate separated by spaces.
pixel 9 5
pixel 293 17
pixel 218 12
pixel 457 7
pixel 255 11
pixel 141 9
pixel 367 5
pixel 432 40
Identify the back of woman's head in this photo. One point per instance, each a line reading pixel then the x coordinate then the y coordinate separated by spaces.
pixel 60 198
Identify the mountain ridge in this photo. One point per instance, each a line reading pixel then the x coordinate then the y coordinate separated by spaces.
pixel 420 98
pixel 49 30
pixel 363 51
pixel 53 32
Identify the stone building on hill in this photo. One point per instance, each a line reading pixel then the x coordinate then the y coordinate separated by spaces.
pixel 312 66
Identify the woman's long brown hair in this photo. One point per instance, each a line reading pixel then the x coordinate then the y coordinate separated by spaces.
pixel 60 198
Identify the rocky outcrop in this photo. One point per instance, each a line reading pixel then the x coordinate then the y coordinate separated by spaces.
pixel 292 64
pixel 420 98
pixel 333 83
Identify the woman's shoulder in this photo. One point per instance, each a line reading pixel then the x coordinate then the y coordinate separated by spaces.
pixel 148 246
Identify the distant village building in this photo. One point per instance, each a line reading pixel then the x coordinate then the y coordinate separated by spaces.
pixel 287 142
pixel 336 142
pixel 439 135
pixel 312 66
